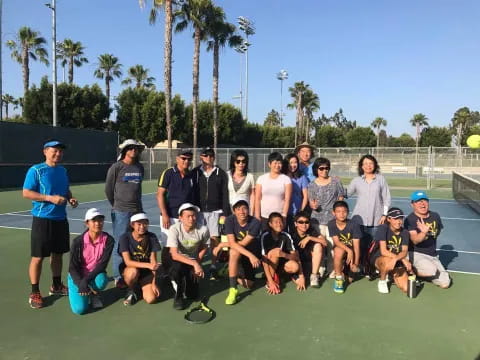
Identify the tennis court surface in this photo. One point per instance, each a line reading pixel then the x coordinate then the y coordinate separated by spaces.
pixel 440 324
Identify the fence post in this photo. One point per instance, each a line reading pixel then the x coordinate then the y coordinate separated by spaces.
pixel 150 154
pixel 430 168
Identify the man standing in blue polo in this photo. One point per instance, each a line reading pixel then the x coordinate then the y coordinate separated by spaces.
pixel 47 185
pixel 123 188
pixel 304 151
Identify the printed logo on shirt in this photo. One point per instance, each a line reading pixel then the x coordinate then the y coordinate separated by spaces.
pixel 189 243
pixel 241 235
pixel 433 229
pixel 346 239
pixel 140 254
pixel 135 178
pixel 394 244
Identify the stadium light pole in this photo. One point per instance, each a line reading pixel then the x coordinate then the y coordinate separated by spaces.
pixel 53 7
pixel 281 75
pixel 248 28
pixel 241 49
pixel 1 68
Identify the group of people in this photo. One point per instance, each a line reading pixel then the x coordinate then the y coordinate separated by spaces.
pixel 293 222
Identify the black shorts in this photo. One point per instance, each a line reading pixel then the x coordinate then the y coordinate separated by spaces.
pixel 248 270
pixel 49 236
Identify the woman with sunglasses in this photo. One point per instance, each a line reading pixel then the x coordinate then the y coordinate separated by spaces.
pixel 241 183
pixel 299 188
pixel 322 194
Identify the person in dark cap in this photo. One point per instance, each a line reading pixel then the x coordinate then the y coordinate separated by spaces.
pixel 211 195
pixel 175 187
pixel 47 185
pixel 123 188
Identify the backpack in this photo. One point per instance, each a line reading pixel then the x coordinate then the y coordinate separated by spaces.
pixel 368 267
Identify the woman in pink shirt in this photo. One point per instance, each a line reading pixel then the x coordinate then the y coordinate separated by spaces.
pixel 89 258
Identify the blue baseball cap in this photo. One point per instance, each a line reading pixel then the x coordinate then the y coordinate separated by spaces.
pixel 54 143
pixel 419 195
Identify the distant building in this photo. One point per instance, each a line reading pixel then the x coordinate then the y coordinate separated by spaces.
pixel 176 144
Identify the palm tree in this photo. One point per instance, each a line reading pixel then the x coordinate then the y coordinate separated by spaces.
pixel 71 54
pixel 108 69
pixel 139 75
pixel 311 104
pixel 220 33
pixel 7 99
pixel 419 121
pixel 195 13
pixel 297 92
pixel 377 124
pixel 28 45
pixel 167 63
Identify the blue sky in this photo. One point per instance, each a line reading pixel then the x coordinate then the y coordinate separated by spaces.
pixel 370 57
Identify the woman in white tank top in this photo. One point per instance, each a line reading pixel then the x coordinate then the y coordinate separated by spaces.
pixel 241 182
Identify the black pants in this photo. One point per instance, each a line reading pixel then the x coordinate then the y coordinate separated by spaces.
pixel 181 273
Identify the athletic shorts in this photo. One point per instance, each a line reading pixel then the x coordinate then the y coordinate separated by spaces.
pixel 248 270
pixel 49 236
pixel 210 220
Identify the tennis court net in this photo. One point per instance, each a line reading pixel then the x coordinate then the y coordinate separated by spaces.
pixel 466 190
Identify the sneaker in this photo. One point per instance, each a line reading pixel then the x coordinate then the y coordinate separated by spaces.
pixel 314 281
pixel 383 287
pixel 332 275
pixel 120 284
pixel 338 286
pixel 276 278
pixel 35 300
pixel 232 296
pixel 130 299
pixel 178 302
pixel 321 271
pixel 96 301
pixel 62 290
pixel 213 275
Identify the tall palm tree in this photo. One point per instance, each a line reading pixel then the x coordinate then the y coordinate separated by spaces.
pixel 167 62
pixel 28 45
pixel 139 75
pixel 311 104
pixel 419 121
pixel 220 33
pixel 377 124
pixel 108 69
pixel 297 92
pixel 195 13
pixel 71 54
pixel 7 99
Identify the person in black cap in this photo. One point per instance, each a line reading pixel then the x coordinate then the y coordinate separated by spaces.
pixel 47 185
pixel 391 256
pixel 211 195
pixel 175 187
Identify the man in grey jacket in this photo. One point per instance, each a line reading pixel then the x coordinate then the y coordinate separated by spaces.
pixel 123 188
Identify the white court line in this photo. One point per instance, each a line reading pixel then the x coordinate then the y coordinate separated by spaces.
pixel 463 272
pixel 460 251
pixel 450 218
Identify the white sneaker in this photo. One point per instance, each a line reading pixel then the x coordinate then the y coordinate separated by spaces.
pixel 321 271
pixel 314 281
pixel 383 287
pixel 332 275
pixel 96 301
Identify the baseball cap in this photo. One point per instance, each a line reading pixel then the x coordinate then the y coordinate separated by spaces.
pixel 54 143
pixel 395 213
pixel 302 145
pixel 185 152
pixel 418 195
pixel 240 199
pixel 131 143
pixel 138 217
pixel 188 206
pixel 207 151
pixel 92 213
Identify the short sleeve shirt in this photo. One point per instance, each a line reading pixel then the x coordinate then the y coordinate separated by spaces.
pixel 326 195
pixel 187 243
pixel 394 242
pixel 350 231
pixel 252 227
pixel 429 245
pixel 179 190
pixel 297 238
pixel 138 252
pixel 298 185
pixel 47 180
pixel 273 193
pixel 284 242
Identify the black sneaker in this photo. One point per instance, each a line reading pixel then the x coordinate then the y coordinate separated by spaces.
pixel 178 302
pixel 130 299
pixel 212 274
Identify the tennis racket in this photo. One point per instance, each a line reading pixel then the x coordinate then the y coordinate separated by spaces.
pixel 200 314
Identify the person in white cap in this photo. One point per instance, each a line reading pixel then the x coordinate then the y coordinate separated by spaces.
pixel 123 188
pixel 242 231
pixel 89 257
pixel 140 268
pixel 186 244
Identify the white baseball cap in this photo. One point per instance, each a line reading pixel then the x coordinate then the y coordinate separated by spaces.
pixel 188 206
pixel 138 217
pixel 92 213
pixel 131 142
pixel 238 199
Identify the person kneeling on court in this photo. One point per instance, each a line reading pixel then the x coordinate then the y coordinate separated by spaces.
pixel 140 268
pixel 346 235
pixel 391 255
pixel 279 256
pixel 242 232
pixel 89 258
pixel 425 227
pixel 310 245
pixel 187 243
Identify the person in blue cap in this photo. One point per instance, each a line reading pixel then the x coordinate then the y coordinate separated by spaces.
pixel 424 227
pixel 47 185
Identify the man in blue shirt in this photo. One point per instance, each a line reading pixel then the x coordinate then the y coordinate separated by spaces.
pixel 305 151
pixel 47 185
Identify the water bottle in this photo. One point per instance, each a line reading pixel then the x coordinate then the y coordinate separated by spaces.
pixel 412 287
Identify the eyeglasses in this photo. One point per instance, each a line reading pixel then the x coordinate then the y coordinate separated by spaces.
pixel 303 222
pixel 240 161
pixel 183 158
pixel 323 168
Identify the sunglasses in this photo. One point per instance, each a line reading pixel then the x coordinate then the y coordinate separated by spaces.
pixel 303 222
pixel 184 158
pixel 207 155
pixel 323 168
pixel 240 161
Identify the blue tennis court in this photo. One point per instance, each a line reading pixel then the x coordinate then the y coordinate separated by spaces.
pixel 458 245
